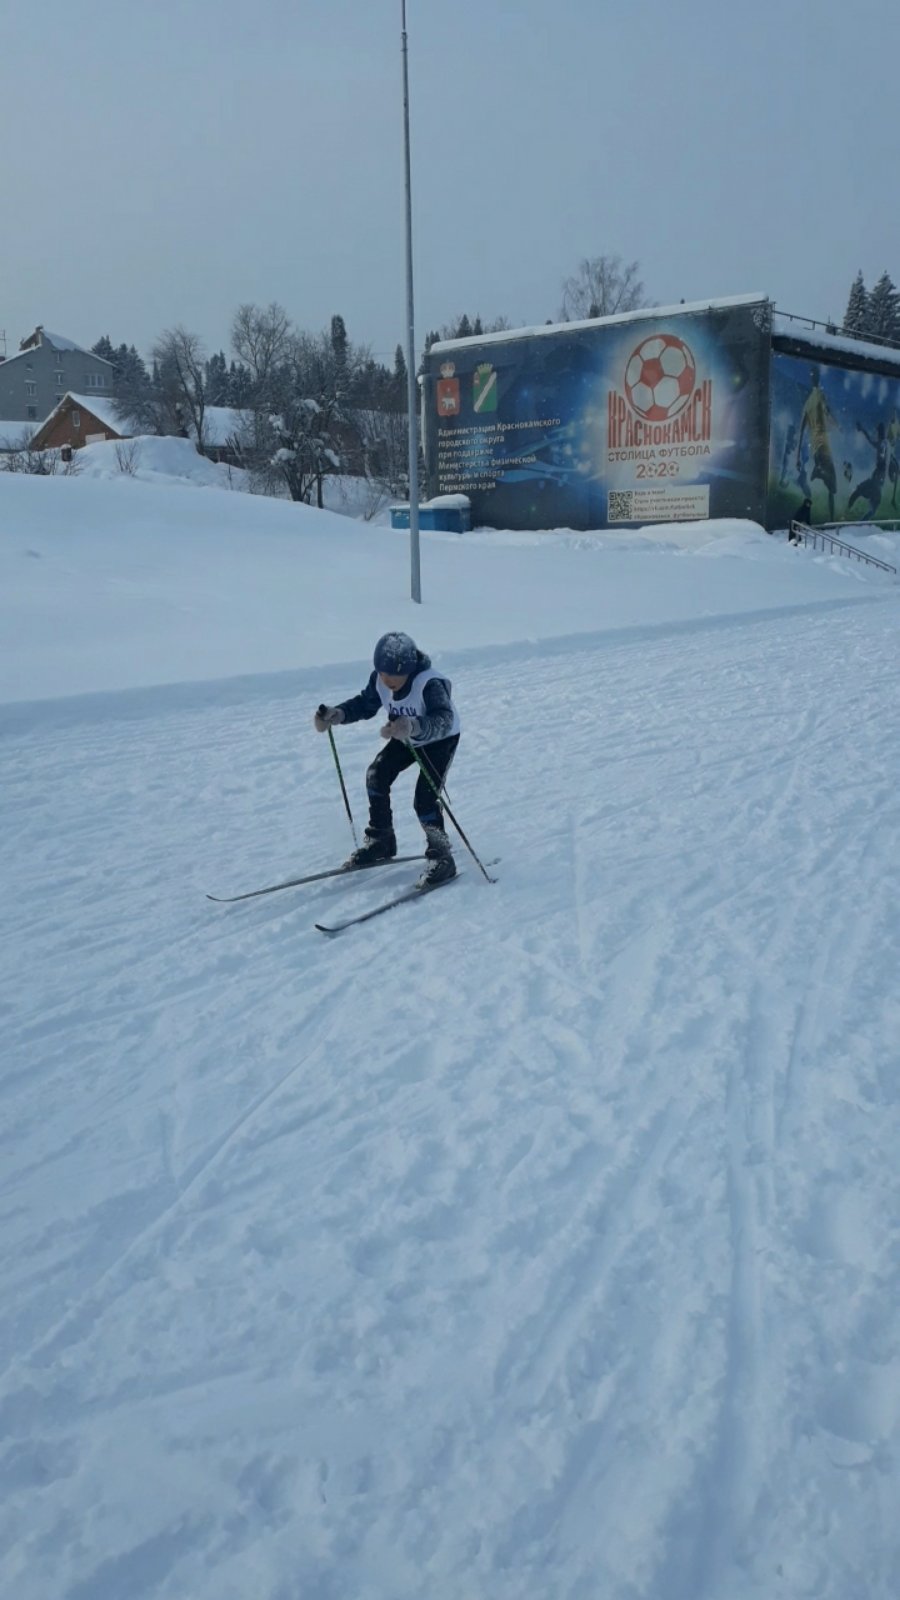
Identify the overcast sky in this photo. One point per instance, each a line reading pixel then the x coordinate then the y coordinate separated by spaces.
pixel 164 160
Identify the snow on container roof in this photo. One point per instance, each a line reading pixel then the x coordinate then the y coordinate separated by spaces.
pixel 840 344
pixel 682 309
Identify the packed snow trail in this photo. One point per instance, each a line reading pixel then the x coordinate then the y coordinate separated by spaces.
pixel 535 1242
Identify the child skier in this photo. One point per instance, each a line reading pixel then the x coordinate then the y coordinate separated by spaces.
pixel 421 716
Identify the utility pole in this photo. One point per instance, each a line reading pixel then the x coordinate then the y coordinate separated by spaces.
pixel 412 386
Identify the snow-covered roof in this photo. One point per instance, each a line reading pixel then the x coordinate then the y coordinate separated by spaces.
pixel 222 423
pixel 682 309
pixel 57 341
pixel 16 356
pixel 438 502
pixel 104 411
pixel 60 342
pixel 12 434
pixel 839 343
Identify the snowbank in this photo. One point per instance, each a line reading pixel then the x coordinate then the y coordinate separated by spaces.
pixel 111 581
pixel 150 459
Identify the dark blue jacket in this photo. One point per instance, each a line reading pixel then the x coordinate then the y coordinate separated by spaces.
pixel 436 725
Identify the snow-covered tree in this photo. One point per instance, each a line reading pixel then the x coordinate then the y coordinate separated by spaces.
pixel 293 433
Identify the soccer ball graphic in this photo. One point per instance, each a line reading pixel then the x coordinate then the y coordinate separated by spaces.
pixel 660 377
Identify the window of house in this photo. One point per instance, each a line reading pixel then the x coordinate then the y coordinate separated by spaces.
pixel 32 413
pixel 76 419
pixel 30 387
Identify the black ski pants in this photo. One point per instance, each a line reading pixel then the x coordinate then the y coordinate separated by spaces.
pixel 388 765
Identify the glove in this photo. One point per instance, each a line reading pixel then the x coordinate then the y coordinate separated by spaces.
pixel 327 717
pixel 400 728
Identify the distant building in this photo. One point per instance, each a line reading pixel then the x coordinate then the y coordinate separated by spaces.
pixel 46 367
pixel 222 429
pixel 78 420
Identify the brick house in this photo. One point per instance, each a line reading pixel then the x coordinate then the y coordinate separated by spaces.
pixel 45 368
pixel 79 419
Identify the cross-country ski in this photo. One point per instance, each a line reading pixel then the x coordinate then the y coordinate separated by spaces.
pixel 342 871
pixel 417 891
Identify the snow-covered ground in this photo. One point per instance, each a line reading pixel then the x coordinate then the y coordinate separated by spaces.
pixel 535 1242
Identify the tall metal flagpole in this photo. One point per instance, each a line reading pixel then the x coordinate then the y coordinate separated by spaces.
pixel 412 386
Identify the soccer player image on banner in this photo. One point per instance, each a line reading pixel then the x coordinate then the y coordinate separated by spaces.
pixel 816 417
pixel 872 488
pixel 845 414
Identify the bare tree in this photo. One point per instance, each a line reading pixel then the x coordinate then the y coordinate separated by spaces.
pixel 174 399
pixel 40 463
pixel 260 338
pixel 602 286
pixel 384 436
pixel 180 359
pixel 127 456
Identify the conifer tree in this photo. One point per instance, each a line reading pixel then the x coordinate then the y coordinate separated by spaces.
pixel 856 315
pixel 340 347
pixel 400 383
pixel 883 321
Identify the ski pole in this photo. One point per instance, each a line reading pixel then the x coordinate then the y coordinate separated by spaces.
pixel 442 799
pixel 322 710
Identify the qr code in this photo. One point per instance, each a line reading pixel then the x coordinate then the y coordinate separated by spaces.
pixel 621 505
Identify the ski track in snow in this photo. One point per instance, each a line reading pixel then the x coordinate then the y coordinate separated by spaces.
pixel 537 1242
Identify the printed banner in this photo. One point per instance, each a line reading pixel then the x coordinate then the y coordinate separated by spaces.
pixel 834 443
pixel 654 419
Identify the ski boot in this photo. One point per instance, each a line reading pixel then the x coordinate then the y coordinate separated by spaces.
pixel 441 865
pixel 379 844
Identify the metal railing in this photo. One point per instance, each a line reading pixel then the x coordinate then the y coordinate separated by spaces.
pixel 836 330
pixel 801 533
